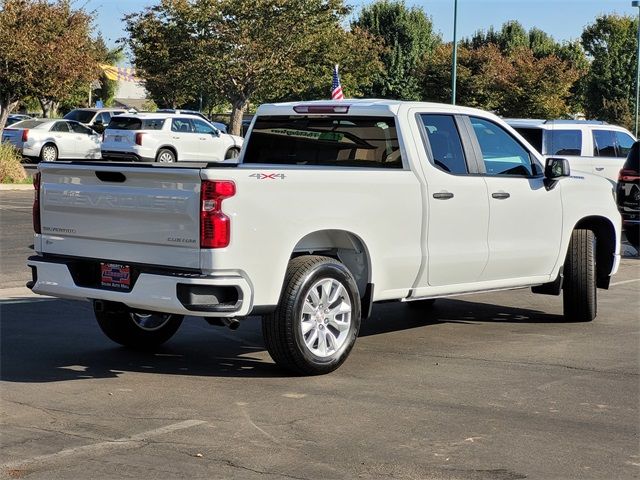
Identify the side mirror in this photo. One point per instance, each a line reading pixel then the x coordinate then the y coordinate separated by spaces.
pixel 556 167
pixel 216 132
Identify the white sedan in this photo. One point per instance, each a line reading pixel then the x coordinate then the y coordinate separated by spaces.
pixel 49 139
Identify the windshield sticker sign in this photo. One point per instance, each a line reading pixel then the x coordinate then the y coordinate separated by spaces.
pixel 308 134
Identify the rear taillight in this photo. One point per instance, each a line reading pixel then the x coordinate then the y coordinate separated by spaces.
pixel 628 175
pixel 36 203
pixel 215 226
pixel 25 134
pixel 139 138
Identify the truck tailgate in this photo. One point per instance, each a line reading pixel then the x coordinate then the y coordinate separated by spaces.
pixel 121 213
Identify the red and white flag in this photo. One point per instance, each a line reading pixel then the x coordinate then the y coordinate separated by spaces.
pixel 336 88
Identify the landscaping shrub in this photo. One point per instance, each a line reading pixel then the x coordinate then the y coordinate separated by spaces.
pixel 11 169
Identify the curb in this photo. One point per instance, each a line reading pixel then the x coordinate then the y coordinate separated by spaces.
pixel 15 186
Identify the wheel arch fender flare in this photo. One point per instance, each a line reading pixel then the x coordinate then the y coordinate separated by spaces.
pixel 345 246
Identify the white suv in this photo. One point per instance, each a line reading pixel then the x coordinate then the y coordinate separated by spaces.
pixel 167 138
pixel 590 146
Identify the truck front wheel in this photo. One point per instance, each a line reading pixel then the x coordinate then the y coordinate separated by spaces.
pixel 579 287
pixel 317 320
pixel 134 329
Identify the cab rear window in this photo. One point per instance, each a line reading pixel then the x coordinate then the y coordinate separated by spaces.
pixel 332 140
pixel 132 123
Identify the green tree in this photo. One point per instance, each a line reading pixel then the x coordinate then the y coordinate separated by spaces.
pixel 242 52
pixel 516 85
pixel 479 77
pixel 45 52
pixel 609 86
pixel 407 34
pixel 162 43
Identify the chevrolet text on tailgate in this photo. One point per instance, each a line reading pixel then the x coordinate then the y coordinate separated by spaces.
pixel 332 206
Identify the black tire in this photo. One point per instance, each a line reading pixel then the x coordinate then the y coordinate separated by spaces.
pixel 117 322
pixel 232 153
pixel 282 329
pixel 425 304
pixel 165 155
pixel 49 153
pixel 579 287
pixel 633 236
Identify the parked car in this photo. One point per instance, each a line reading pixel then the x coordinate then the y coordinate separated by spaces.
pixel 11 119
pixel 590 146
pixel 94 118
pixel 332 206
pixel 219 125
pixel 167 137
pixel 49 139
pixel 628 195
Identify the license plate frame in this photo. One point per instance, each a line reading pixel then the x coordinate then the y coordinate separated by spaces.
pixel 115 276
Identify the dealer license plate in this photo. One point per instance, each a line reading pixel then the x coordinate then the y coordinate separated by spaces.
pixel 115 275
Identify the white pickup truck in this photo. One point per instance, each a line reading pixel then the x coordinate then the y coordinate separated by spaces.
pixel 332 206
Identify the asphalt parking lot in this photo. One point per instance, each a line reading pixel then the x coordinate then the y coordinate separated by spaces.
pixel 490 386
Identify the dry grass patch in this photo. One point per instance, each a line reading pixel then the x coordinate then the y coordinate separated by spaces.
pixel 11 169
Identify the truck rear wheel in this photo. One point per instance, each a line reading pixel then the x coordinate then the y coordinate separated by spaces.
pixel 317 320
pixel 134 329
pixel 579 287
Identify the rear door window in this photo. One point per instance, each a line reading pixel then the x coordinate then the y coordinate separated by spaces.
pixel 563 142
pixel 445 143
pixel 330 140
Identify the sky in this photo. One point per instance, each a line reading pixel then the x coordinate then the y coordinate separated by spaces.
pixel 563 19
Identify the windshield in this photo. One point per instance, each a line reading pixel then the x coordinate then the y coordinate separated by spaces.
pixel 325 140
pixel 82 116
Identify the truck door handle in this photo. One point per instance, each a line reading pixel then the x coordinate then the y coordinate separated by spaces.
pixel 599 169
pixel 500 195
pixel 176 138
pixel 443 195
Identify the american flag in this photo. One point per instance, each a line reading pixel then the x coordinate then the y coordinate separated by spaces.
pixel 336 88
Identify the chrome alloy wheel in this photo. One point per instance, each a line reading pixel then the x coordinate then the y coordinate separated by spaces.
pixel 49 153
pixel 326 317
pixel 165 157
pixel 150 321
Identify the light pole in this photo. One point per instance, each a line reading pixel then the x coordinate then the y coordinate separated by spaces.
pixel 454 59
pixel 636 3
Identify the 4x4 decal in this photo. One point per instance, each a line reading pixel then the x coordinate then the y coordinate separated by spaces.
pixel 267 176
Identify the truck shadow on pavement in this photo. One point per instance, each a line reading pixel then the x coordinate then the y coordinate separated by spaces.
pixel 58 340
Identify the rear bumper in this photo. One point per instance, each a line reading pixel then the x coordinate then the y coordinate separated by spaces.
pixel 125 156
pixel 206 296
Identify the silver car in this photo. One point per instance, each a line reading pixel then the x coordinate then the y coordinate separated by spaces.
pixel 51 139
